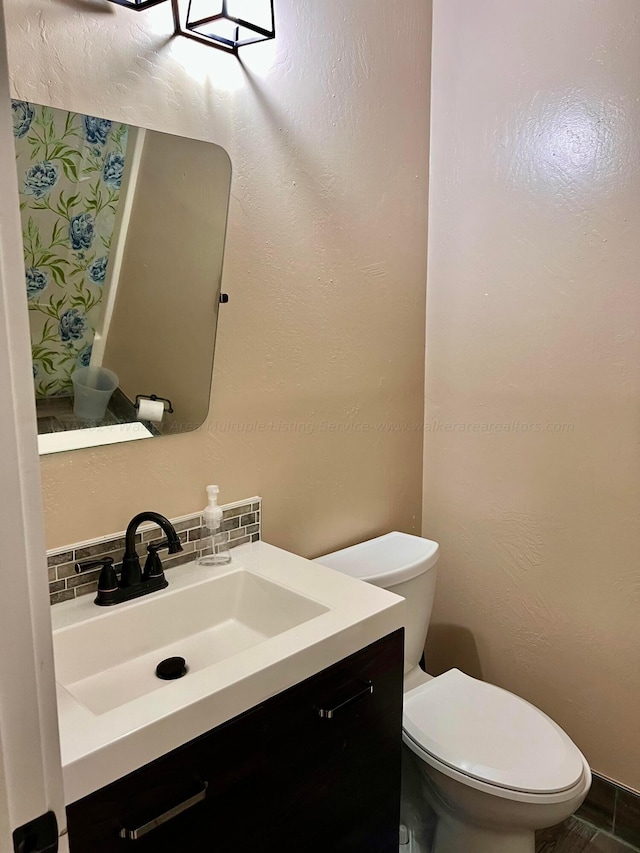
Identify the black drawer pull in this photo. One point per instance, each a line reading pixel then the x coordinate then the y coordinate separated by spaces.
pixel 329 713
pixel 146 828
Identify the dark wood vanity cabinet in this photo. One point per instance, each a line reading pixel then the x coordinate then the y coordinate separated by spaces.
pixel 315 768
pixel 335 779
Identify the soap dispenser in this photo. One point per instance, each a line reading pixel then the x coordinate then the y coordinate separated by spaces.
pixel 214 543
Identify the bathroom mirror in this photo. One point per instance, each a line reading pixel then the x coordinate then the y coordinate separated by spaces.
pixel 123 232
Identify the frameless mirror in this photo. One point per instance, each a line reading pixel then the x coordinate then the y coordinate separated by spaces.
pixel 123 232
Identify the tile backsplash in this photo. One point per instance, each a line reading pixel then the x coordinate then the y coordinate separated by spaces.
pixel 240 521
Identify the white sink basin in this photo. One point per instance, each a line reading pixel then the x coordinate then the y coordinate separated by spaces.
pixel 268 621
pixel 110 661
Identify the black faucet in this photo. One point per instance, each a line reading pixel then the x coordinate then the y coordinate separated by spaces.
pixel 134 581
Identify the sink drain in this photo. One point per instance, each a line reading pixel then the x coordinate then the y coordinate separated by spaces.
pixel 171 668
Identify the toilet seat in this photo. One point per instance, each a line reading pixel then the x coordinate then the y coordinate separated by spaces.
pixel 490 738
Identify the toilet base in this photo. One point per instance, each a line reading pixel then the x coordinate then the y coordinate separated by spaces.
pixel 444 815
pixel 452 836
pixel 416 813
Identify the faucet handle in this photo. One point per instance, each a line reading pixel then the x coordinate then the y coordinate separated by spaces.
pixel 153 565
pixel 108 580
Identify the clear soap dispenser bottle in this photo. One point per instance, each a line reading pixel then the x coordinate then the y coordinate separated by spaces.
pixel 214 543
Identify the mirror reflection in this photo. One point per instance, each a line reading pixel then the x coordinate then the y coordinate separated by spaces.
pixel 123 232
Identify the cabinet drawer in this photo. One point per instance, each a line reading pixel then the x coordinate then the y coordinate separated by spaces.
pixel 214 779
pixel 334 777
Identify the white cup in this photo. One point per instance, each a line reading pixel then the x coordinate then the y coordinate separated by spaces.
pixel 92 390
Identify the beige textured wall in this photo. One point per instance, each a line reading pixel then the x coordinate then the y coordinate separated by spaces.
pixel 327 130
pixel 533 317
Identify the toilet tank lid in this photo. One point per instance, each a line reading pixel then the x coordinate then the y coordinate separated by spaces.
pixel 491 735
pixel 386 560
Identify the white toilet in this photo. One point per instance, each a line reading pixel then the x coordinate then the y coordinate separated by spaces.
pixel 490 765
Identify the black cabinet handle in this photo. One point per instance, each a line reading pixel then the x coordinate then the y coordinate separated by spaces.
pixel 329 713
pixel 154 823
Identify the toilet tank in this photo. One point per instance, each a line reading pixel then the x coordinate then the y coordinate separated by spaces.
pixel 405 565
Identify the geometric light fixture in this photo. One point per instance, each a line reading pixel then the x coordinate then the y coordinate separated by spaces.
pixel 139 5
pixel 226 24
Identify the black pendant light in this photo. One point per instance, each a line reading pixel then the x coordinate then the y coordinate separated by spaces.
pixel 227 24
pixel 138 5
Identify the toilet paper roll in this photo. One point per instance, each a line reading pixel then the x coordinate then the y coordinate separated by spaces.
pixel 150 410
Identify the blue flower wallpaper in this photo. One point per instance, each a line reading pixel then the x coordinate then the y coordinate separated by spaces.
pixel 70 170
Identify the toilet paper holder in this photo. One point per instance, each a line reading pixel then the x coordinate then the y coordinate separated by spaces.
pixel 168 408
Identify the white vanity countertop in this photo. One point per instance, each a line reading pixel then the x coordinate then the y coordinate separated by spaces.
pixel 99 748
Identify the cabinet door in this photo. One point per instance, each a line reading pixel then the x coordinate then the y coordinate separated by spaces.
pixel 200 797
pixel 332 751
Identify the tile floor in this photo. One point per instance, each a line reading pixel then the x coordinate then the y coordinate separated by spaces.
pixel 577 836
pixel 572 836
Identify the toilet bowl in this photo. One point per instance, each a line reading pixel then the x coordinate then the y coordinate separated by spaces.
pixel 490 766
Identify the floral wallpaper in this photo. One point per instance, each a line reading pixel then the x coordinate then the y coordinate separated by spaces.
pixel 70 170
